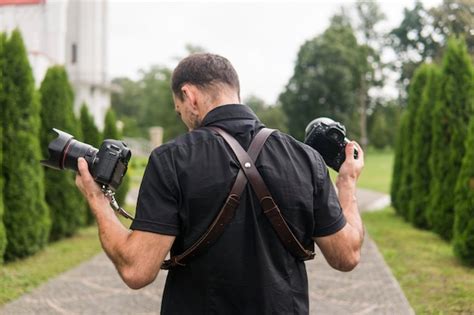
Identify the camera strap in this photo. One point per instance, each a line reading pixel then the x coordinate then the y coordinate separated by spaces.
pixel 247 173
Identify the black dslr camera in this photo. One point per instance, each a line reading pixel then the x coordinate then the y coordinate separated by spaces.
pixel 328 137
pixel 107 165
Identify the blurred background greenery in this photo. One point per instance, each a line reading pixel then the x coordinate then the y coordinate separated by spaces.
pixel 424 137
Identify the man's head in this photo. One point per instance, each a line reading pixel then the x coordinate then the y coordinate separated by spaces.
pixel 202 82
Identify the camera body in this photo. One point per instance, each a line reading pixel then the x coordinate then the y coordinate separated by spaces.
pixel 107 165
pixel 328 137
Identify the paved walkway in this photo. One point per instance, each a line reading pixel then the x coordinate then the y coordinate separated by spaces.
pixel 94 287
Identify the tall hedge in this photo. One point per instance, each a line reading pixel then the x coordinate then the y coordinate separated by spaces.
pixel 111 132
pixel 68 209
pixel 419 167
pixel 450 123
pixel 90 135
pixel 3 235
pixel 26 214
pixel 398 162
pixel 464 204
pixel 415 92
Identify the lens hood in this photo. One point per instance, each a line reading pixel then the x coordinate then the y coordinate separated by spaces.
pixel 56 149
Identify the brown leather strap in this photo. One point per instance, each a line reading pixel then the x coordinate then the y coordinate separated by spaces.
pixel 226 213
pixel 269 206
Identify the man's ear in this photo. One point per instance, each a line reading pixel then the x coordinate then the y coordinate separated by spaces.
pixel 192 94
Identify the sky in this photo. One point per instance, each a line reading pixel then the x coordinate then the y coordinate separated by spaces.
pixel 260 38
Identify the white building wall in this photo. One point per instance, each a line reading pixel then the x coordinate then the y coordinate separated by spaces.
pixel 50 28
pixel 87 69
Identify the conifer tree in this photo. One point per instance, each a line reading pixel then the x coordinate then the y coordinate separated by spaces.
pixel 419 167
pixel 68 209
pixel 26 214
pixel 464 204
pixel 111 132
pixel 3 236
pixel 405 192
pixel 90 135
pixel 450 123
pixel 398 162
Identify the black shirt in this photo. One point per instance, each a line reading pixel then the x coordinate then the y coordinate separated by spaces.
pixel 247 270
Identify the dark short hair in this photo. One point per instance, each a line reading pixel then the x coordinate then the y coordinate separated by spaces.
pixel 204 70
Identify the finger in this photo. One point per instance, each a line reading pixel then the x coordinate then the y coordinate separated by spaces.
pixel 360 152
pixel 349 151
pixel 84 170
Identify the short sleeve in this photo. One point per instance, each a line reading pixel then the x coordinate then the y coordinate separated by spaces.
pixel 328 215
pixel 157 205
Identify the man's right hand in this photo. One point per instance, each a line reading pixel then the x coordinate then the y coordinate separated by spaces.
pixel 351 168
pixel 342 249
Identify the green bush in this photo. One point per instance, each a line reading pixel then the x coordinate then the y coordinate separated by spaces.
pixel 405 192
pixel 111 132
pixel 419 167
pixel 398 162
pixel 450 122
pixel 26 214
pixel 3 235
pixel 90 135
pixel 68 210
pixel 90 132
pixel 464 204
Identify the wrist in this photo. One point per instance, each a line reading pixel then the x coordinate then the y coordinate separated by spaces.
pixel 346 182
pixel 98 201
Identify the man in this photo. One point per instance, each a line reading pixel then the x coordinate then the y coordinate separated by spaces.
pixel 247 270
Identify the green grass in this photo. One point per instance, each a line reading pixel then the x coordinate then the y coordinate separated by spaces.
pixel 377 172
pixel 22 276
pixel 19 277
pixel 433 280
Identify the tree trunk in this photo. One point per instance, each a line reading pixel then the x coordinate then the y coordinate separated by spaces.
pixel 363 113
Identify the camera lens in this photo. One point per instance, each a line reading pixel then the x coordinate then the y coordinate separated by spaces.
pixel 65 150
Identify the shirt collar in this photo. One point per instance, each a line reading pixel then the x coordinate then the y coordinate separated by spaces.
pixel 228 112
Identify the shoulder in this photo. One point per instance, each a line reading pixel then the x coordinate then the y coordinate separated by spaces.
pixel 298 146
pixel 183 142
pixel 307 159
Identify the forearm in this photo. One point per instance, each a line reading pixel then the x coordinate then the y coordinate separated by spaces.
pixel 347 198
pixel 112 234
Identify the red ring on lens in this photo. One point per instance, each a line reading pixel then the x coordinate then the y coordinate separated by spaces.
pixel 65 153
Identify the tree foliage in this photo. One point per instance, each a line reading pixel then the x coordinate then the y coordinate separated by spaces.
pixel 464 204
pixel 383 124
pixel 369 15
pixel 148 101
pixel 90 135
pixel 270 116
pixel 110 125
pixel 325 79
pixel 26 214
pixel 421 149
pixel 111 132
pixel 398 162
pixel 68 209
pixel 406 181
pixel 450 120
pixel 423 34
pixel 3 235
pixel 454 18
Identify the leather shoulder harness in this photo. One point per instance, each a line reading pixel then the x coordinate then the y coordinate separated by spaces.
pixel 247 173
